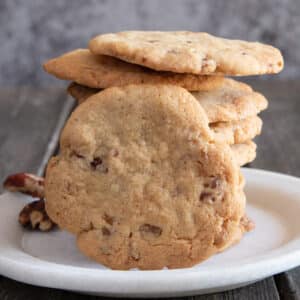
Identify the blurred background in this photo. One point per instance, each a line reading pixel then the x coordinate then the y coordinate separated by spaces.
pixel 34 31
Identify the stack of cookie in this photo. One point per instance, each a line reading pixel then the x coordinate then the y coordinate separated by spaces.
pixel 148 174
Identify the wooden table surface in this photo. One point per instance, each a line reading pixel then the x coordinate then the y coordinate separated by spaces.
pixel 30 122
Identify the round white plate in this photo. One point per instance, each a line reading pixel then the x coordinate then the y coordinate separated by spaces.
pixel 52 260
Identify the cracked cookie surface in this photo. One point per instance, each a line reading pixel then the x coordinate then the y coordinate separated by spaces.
pixel 101 71
pixel 189 52
pixel 141 182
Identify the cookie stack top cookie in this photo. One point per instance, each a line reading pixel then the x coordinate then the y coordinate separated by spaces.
pixel 189 52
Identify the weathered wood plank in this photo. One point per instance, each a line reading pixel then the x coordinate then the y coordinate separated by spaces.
pixel 262 290
pixel 13 290
pixel 288 285
pixel 10 289
pixel 28 118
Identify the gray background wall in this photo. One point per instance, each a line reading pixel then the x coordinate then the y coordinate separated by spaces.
pixel 33 31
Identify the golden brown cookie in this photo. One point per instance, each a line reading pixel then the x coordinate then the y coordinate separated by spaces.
pixel 244 153
pixel 100 71
pixel 234 132
pixel 231 101
pixel 189 52
pixel 141 182
pixel 237 132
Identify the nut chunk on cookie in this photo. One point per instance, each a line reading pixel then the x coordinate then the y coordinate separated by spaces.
pixel 141 182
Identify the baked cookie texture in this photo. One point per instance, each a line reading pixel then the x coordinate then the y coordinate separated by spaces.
pixel 141 182
pixel 244 153
pixel 233 132
pixel 237 132
pixel 101 71
pixel 189 52
pixel 230 101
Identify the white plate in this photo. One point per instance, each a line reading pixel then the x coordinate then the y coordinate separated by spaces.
pixel 52 259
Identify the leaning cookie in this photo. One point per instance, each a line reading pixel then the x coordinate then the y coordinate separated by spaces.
pixel 101 71
pixel 237 132
pixel 189 52
pixel 142 181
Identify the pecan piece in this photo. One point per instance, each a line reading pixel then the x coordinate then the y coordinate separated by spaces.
pixel 34 216
pixel 148 229
pixel 213 189
pixel 25 183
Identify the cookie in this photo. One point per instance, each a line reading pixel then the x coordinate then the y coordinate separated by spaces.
pixel 141 182
pixel 236 132
pixel 231 101
pixel 189 52
pixel 247 224
pixel 100 71
pixel 244 153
